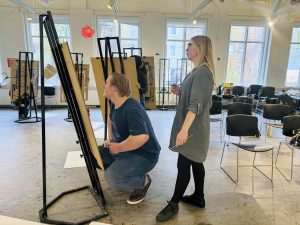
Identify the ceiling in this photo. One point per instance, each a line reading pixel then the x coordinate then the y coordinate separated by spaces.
pixel 190 7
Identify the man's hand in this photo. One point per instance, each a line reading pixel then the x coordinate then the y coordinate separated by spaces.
pixel 106 143
pixel 114 148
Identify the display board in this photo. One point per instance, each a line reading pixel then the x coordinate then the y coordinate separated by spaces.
pixel 14 91
pixel 130 73
pixel 150 96
pixel 82 107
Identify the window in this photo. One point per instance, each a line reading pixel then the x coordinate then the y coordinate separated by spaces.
pixel 293 70
pixel 179 32
pixel 64 34
pixel 247 54
pixel 128 31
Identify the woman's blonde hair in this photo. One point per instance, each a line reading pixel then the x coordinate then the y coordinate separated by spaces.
pixel 121 82
pixel 205 52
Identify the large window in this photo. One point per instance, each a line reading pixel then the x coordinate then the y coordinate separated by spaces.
pixel 247 54
pixel 64 34
pixel 128 30
pixel 179 32
pixel 293 70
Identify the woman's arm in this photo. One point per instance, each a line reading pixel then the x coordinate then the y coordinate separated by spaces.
pixel 182 136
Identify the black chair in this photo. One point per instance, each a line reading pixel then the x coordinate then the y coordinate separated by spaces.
pixel 266 95
pixel 235 91
pixel 238 90
pixel 244 126
pixel 253 89
pixel 216 109
pixel 243 99
pixel 290 124
pixel 49 93
pixel 288 100
pixel 275 113
pixel 216 98
pixel 239 108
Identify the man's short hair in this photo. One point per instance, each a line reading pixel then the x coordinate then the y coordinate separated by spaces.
pixel 121 82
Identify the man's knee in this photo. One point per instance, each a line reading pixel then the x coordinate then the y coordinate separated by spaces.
pixel 113 179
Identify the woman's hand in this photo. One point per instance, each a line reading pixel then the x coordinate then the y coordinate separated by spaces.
pixel 175 89
pixel 181 138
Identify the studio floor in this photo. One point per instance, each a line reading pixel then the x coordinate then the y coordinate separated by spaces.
pixel 254 200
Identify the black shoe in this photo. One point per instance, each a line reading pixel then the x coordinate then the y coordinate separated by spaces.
pixel 168 212
pixel 191 199
pixel 138 195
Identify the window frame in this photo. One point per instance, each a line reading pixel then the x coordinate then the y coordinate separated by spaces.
pixel 298 81
pixel 262 74
pixel 121 20
pixel 58 19
pixel 182 23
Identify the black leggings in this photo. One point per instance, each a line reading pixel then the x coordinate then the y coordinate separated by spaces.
pixel 183 178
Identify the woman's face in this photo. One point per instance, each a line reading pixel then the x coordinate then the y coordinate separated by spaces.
pixel 191 51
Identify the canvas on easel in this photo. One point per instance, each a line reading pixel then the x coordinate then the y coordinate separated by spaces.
pixel 82 106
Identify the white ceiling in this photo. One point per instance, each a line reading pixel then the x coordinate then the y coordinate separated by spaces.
pixel 275 7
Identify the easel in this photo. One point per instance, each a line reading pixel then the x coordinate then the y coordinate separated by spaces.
pixel 105 64
pixel 181 69
pixel 69 82
pixel 78 68
pixel 131 51
pixel 24 81
pixel 164 67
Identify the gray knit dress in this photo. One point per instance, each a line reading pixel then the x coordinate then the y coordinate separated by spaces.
pixel 195 96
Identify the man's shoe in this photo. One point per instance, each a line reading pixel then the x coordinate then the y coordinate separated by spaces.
pixel 191 199
pixel 168 212
pixel 138 195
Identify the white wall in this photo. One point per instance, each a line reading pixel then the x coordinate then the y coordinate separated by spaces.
pixel 153 41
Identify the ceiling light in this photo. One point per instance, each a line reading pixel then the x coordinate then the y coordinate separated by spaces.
pixel 29 18
pixel 270 24
pixel 195 21
pixel 110 4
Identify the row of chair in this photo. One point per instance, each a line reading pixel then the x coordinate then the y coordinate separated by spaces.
pixel 240 122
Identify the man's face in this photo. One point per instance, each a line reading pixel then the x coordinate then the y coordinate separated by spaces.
pixel 108 89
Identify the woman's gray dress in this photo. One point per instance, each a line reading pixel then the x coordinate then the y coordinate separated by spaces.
pixel 195 96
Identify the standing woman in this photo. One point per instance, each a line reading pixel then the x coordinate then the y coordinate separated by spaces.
pixel 191 126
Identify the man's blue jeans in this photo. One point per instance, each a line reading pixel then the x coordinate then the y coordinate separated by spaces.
pixel 127 171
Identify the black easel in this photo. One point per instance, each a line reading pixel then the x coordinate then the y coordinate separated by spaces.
pixel 78 68
pixel 25 98
pixel 46 21
pixel 104 62
pixel 132 49
pixel 181 70
pixel 164 67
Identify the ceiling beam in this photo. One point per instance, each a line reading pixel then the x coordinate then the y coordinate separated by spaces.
pixel 24 5
pixel 287 10
pixel 275 6
pixel 200 7
pixel 256 5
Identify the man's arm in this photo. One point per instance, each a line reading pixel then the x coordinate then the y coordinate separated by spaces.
pixel 130 144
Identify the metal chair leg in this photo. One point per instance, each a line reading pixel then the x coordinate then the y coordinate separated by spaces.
pixel 292 164
pixel 227 173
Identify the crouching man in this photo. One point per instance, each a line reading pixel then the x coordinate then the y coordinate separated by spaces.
pixel 131 141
